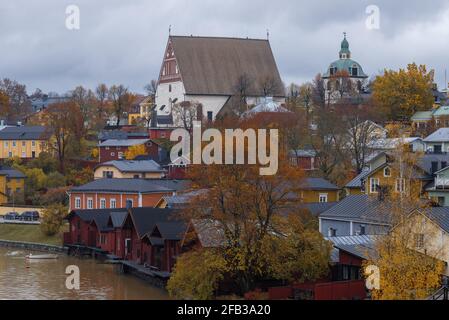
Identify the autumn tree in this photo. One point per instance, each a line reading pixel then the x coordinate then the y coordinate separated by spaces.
pixel 121 100
pixel 19 104
pixel 53 219
pixel 399 94
pixel 64 123
pixel 250 210
pixel 186 112
pixel 102 105
pixel 409 269
pixel 134 151
pixel 5 108
pixel 151 88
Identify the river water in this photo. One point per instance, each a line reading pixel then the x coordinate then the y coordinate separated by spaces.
pixel 45 280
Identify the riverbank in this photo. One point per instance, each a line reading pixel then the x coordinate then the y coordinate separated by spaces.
pixel 28 234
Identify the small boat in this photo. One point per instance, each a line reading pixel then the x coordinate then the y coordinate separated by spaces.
pixel 41 256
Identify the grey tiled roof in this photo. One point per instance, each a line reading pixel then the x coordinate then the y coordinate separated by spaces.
pixel 317 208
pixel 128 185
pixel 118 218
pixel 360 208
pixel 357 181
pixel 11 173
pixel 134 165
pixel 425 162
pixel 317 184
pixel 23 133
pixel 171 230
pixel 145 219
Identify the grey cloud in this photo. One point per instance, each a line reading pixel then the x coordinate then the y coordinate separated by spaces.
pixel 123 42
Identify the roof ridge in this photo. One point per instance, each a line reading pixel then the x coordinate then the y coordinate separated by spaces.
pixel 218 38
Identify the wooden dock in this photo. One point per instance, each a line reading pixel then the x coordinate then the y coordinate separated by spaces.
pixel 154 277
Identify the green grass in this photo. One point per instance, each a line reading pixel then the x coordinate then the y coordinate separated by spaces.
pixel 28 233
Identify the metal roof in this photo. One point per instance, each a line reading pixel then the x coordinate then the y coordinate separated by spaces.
pixel 11 173
pixel 441 135
pixel 357 181
pixel 134 165
pixel 23 133
pixel 122 142
pixel 317 184
pixel 129 185
pixel 361 208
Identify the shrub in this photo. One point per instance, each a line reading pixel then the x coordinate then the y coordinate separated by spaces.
pixel 52 219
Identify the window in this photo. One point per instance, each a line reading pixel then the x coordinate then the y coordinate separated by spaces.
pixel 169 89
pixel 323 197
pixel 209 115
pixel 112 154
pixel 136 176
pixel 355 71
pixel 14 143
pixel 77 203
pixel 108 174
pixel 434 166
pixel 120 155
pixel 33 143
pixel 387 172
pixel 129 203
pixel 400 185
pixel 419 240
pixel 374 185
pixel 102 203
pixel 362 230
pixel 33 154
pixel 6 144
pixel 332 232
pixel 113 203
pixel 23 143
pixel 10 154
pixel 90 203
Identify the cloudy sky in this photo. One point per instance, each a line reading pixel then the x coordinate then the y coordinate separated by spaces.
pixel 123 41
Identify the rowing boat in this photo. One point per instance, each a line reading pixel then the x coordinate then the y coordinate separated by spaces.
pixel 42 256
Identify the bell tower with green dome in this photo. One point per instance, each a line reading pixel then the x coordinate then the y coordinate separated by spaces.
pixel 344 52
pixel 344 74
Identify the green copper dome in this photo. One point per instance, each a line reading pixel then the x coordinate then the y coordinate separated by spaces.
pixel 345 63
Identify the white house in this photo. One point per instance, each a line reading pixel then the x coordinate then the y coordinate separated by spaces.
pixel 205 71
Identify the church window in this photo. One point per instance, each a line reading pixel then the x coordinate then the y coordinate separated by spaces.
pixel 169 88
pixel 355 71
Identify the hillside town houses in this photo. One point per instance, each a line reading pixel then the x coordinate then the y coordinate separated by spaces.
pixel 129 209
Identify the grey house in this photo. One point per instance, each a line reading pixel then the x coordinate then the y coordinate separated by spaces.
pixel 355 215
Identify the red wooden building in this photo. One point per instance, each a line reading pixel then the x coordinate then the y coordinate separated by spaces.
pixel 114 149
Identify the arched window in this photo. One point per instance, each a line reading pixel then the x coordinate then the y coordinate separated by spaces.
pixel 387 172
pixel 355 71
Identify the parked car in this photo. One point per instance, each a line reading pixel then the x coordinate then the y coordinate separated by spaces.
pixel 12 216
pixel 29 216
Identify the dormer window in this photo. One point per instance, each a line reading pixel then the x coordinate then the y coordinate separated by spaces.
pixel 355 71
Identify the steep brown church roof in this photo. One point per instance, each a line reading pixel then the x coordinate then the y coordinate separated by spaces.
pixel 212 66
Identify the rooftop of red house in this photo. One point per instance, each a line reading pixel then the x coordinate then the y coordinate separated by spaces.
pixel 133 185
pixel 123 142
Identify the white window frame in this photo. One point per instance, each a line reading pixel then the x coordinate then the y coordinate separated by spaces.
pixel 102 203
pixel 371 180
pixel 400 185
pixel 323 196
pixel 77 203
pixel 389 170
pixel 90 203
pixel 113 203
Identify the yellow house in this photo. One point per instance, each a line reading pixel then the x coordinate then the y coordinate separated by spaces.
pixel 24 142
pixel 384 176
pixel 428 231
pixel 318 190
pixel 12 185
pixel 140 109
pixel 129 169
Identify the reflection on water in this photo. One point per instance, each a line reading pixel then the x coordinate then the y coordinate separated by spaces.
pixel 45 279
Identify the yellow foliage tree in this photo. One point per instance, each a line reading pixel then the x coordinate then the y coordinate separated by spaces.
pixel 134 151
pixel 399 94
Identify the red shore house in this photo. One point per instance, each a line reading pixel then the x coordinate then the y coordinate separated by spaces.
pixel 148 236
pixel 304 159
